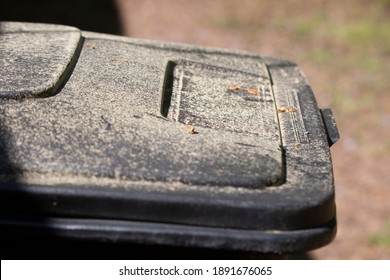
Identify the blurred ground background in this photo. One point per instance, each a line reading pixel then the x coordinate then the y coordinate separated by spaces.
pixel 343 47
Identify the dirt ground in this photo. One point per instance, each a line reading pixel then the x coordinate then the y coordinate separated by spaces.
pixel 343 47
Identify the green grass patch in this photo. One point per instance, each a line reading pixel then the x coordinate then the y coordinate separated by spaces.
pixel 320 56
pixel 226 22
pixel 310 26
pixel 381 238
pixel 365 35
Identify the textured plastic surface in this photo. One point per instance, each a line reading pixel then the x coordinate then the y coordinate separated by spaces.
pixel 35 58
pixel 187 141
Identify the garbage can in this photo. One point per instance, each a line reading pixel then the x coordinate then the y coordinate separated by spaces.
pixel 115 139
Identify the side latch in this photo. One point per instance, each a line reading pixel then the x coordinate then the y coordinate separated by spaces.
pixel 330 126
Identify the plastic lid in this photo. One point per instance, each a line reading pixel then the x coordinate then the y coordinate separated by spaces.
pixel 160 133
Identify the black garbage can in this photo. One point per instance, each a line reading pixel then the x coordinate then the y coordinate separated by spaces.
pixel 123 141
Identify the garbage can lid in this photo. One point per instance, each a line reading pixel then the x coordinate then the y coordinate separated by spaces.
pixel 105 127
